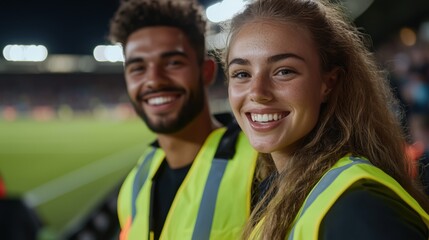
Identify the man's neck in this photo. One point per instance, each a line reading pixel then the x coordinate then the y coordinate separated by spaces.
pixel 182 147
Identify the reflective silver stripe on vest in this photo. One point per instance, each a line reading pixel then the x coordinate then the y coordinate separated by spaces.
pixel 208 202
pixel 324 183
pixel 140 179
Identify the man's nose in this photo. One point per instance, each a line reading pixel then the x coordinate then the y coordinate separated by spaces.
pixel 155 76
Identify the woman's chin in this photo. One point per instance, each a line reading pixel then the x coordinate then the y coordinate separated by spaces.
pixel 262 147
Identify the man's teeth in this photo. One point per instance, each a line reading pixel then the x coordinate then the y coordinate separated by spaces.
pixel 265 117
pixel 159 100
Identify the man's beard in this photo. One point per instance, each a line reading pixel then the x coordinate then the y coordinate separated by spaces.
pixel 191 108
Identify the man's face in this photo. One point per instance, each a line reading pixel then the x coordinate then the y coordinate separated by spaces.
pixel 164 78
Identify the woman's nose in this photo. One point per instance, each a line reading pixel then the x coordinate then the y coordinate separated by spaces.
pixel 260 89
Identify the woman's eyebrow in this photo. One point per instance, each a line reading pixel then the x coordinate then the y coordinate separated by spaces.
pixel 271 59
pixel 282 56
pixel 239 61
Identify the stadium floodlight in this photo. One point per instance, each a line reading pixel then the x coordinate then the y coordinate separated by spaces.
pixel 108 53
pixel 224 10
pixel 25 53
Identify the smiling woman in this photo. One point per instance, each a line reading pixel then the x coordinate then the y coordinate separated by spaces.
pixel 307 93
pixel 281 82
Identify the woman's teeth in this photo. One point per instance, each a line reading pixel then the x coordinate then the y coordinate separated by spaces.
pixel 267 117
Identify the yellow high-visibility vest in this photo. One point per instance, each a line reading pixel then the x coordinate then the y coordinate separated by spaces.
pixel 347 171
pixel 213 201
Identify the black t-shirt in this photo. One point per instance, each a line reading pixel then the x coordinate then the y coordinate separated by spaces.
pixel 165 183
pixel 369 211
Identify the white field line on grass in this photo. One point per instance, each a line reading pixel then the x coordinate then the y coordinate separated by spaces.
pixel 82 176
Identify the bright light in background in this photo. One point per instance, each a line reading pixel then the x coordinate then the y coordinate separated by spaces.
pixel 357 7
pixel 224 10
pixel 408 36
pixel 108 53
pixel 25 53
pixel 424 31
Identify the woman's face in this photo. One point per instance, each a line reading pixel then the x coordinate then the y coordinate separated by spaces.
pixel 276 85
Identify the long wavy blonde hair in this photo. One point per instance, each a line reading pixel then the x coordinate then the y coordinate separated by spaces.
pixel 357 118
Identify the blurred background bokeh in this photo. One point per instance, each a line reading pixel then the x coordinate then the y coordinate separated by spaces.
pixel 68 135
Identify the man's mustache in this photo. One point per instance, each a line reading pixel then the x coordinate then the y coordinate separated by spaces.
pixel 143 94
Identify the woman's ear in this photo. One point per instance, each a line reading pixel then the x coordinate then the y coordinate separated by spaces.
pixel 330 80
pixel 209 71
pixel 332 77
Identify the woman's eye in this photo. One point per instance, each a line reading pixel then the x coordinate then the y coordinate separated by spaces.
pixel 239 75
pixel 285 72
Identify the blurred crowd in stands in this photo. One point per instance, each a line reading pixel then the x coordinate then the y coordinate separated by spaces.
pixel 43 97
pixel 408 69
pixel 46 96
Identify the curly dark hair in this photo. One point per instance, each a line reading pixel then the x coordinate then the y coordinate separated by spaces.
pixel 186 15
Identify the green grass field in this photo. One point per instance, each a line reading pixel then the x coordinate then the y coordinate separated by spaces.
pixel 64 168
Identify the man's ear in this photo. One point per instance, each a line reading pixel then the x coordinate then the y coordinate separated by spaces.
pixel 209 71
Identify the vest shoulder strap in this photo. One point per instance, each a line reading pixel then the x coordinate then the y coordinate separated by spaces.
pixel 139 180
pixel 226 150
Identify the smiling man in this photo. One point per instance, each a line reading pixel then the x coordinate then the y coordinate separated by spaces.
pixel 195 181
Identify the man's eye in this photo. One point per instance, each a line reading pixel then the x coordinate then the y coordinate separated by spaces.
pixel 137 68
pixel 175 62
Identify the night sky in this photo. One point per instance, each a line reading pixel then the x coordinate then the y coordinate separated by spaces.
pixel 64 27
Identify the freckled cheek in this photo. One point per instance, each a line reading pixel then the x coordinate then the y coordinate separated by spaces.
pixel 235 92
pixel 308 106
pixel 235 98
pixel 305 93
